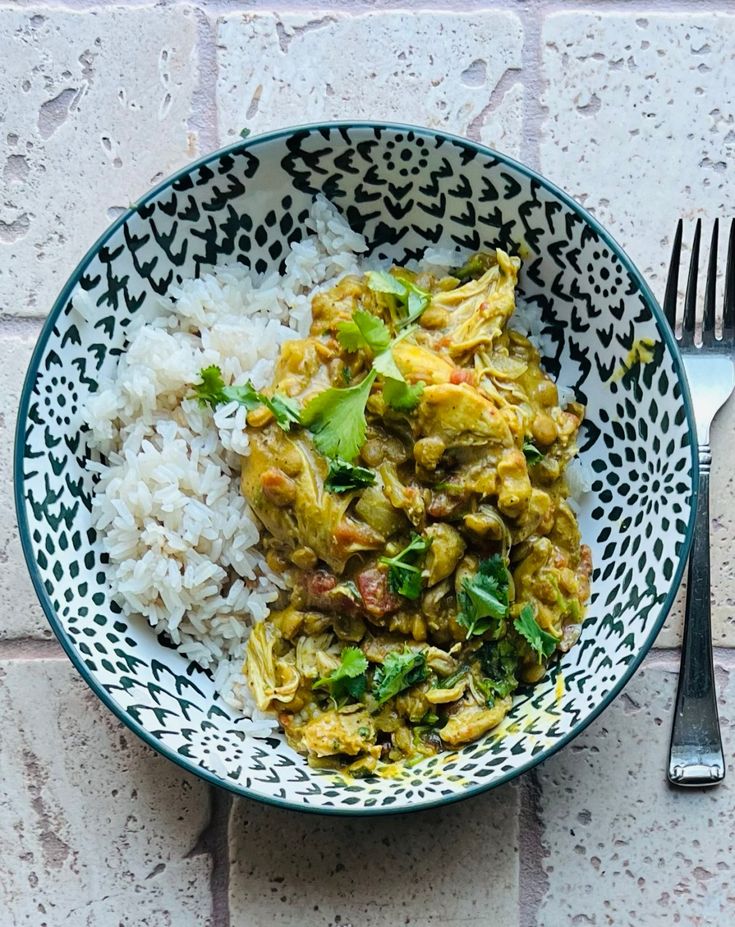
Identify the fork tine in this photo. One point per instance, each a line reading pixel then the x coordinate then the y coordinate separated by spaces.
pixel 672 281
pixel 710 289
pixel 690 297
pixel 728 314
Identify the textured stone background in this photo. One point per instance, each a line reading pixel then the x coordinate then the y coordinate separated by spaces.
pixel 630 107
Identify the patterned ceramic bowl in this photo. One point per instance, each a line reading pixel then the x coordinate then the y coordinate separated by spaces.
pixel 404 189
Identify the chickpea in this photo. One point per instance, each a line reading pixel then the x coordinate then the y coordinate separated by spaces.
pixel 304 558
pixel 546 393
pixel 434 317
pixel 428 451
pixel 544 429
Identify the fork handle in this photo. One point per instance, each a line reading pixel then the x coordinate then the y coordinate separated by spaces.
pixel 696 757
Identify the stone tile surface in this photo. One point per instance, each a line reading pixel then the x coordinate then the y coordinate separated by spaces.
pixel 453 866
pixel 458 72
pixel 620 846
pixel 20 613
pixel 95 108
pixel 640 120
pixel 95 829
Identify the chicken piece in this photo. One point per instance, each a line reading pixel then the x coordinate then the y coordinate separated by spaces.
pixel 345 730
pixel 515 485
pixel 461 417
pixel 338 303
pixel 419 364
pixel 405 498
pixel 538 512
pixel 300 368
pixel 471 721
pixel 480 308
pixel 271 679
pixel 447 549
pixel 314 518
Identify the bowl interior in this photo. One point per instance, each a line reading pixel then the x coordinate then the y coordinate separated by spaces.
pixel 404 190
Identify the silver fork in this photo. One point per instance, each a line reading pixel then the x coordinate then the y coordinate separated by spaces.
pixel 696 757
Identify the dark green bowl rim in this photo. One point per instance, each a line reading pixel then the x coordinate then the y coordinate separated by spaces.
pixel 61 301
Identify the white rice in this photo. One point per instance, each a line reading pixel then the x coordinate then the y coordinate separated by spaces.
pixel 181 539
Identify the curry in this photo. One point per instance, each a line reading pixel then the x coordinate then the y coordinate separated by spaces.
pixel 407 465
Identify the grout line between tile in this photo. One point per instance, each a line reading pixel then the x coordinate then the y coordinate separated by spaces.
pixel 533 84
pixel 669 657
pixel 203 116
pixel 533 882
pixel 30 648
pixel 20 325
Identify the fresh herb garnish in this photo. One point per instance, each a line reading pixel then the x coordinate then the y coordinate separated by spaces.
pixel 543 643
pixel 404 573
pixel 336 418
pixel 344 477
pixel 532 454
pixel 365 330
pixel 348 681
pixel 402 396
pixel 499 662
pixel 411 298
pixel 475 266
pixel 400 670
pixel 213 392
pixel 483 598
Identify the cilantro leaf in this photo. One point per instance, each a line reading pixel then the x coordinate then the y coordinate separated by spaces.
pixel 336 418
pixel 483 599
pixel 499 662
pixel 404 573
pixel 532 453
pixel 213 392
pixel 344 477
pixel 401 396
pixel 285 411
pixel 386 366
pixel 418 300
pixel 365 330
pixel 348 681
pixel 380 281
pixel 400 670
pixel 543 643
pixel 412 298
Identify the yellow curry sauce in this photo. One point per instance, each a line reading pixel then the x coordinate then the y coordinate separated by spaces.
pixel 417 512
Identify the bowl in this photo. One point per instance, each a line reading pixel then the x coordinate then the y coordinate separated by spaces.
pixel 404 188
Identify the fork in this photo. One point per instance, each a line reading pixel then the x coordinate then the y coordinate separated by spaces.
pixel 695 757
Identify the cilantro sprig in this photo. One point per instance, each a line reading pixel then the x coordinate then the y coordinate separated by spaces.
pixel 364 330
pixel 483 599
pixel 349 680
pixel 541 642
pixel 212 391
pixel 499 664
pixel 336 418
pixel 404 572
pixel 411 299
pixel 400 670
pixel 344 477
pixel 532 454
